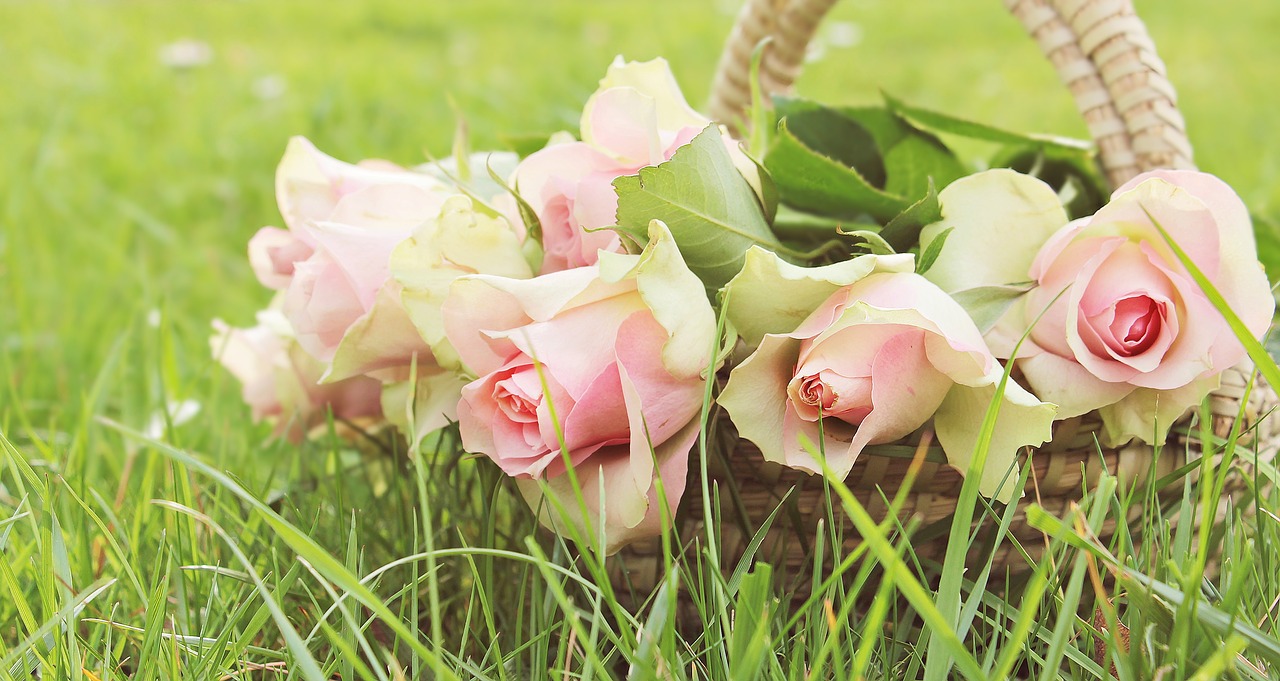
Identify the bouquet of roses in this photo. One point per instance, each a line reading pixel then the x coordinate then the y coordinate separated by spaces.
pixel 839 283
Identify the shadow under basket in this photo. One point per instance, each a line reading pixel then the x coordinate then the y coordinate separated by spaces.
pixel 750 489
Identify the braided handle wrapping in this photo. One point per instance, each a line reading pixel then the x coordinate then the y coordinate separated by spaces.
pixel 1100 48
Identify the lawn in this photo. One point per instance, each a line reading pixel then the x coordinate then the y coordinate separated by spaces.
pixel 150 542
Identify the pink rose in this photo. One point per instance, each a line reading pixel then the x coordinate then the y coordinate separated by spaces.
pixel 309 185
pixel 638 117
pixel 865 352
pixel 344 306
pixel 1125 329
pixel 611 357
pixel 281 383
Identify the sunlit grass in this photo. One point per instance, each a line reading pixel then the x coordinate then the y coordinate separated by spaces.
pixel 135 545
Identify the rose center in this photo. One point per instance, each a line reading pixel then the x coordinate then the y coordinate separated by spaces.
pixel 515 401
pixel 1136 325
pixel 815 393
pixel 827 393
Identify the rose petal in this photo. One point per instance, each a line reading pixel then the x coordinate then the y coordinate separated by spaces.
pixel 668 402
pixel 618 506
pixel 321 305
pixel 676 297
pixel 1186 219
pixel 623 122
pixel 599 414
pixel 309 183
pixel 272 254
pixel 1065 383
pixel 576 343
pixel 384 339
pixel 1147 414
pixel 480 307
pixel 1242 284
pixel 459 241
pixel 654 79
pixel 906 390
pixel 995 211
pixel 771 295
pixel 1022 421
pixel 756 395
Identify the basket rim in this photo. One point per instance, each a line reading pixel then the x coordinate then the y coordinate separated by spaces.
pixel 1101 50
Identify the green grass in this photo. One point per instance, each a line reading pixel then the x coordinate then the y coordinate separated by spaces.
pixel 128 191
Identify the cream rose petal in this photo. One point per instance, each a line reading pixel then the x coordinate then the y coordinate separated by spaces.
pixel 771 295
pixel 674 294
pixel 478 305
pixel 457 242
pixel 1146 413
pixel 623 122
pixel 1001 219
pixel 654 79
pixel 434 406
pixel 309 183
pixel 1067 384
pixel 380 343
pixel 1022 421
pixel 756 395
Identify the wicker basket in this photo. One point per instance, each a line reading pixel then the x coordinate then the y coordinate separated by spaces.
pixel 1106 58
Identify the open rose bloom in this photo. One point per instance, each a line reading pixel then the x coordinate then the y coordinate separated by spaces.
pixel 599 371
pixel 345 317
pixel 864 352
pixel 1122 327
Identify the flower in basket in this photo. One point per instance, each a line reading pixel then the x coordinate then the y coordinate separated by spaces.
pixel 460 240
pixel 593 377
pixel 350 228
pixel 309 184
pixel 864 352
pixel 638 117
pixel 281 382
pixel 1116 322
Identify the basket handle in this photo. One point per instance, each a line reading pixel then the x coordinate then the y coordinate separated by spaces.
pixel 1101 49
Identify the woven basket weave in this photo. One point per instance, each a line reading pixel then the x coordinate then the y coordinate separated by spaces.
pixel 1105 57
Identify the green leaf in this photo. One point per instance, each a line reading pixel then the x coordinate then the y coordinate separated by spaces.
pixel 946 123
pixel 872 241
pixel 930 254
pixel 886 128
pixel 815 183
pixel 919 163
pixel 840 139
pixel 903 231
pixel 986 304
pixel 709 207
